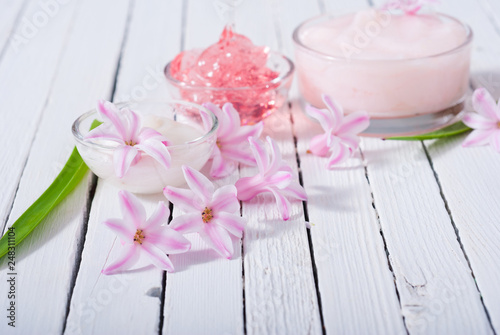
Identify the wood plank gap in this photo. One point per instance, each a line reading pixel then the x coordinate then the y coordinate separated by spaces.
pixel 306 218
pixel 163 290
pixel 80 245
pixel 122 47
pixel 457 233
pixel 322 6
pixel 243 271
pixel 14 26
pixel 383 238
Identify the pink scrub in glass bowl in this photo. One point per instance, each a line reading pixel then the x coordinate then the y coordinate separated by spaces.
pixel 410 72
pixel 254 79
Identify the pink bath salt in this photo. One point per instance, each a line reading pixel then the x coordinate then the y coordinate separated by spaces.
pixel 234 62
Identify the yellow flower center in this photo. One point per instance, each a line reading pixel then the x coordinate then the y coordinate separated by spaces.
pixel 130 143
pixel 218 144
pixel 498 124
pixel 207 215
pixel 139 236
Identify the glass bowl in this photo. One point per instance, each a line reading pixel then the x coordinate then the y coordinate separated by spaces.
pixel 253 103
pixel 191 145
pixel 403 97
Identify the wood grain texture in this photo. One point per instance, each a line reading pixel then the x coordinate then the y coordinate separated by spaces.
pixel 10 15
pixel 132 298
pixel 468 176
pixel 280 294
pixel 356 285
pixel 205 294
pixel 437 292
pixel 26 76
pixel 46 260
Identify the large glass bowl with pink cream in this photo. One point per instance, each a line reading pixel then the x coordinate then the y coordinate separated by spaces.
pixel 409 72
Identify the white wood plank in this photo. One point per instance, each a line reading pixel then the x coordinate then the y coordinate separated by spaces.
pixel 206 295
pixel 355 284
pixel 140 77
pixel 438 294
pixel 9 16
pixel 280 294
pixel 26 72
pixel 46 260
pixel 468 176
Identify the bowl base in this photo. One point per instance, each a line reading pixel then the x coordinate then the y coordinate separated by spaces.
pixel 412 125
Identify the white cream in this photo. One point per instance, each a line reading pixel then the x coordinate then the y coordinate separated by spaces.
pixel 148 176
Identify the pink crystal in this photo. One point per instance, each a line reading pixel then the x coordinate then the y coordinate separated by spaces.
pixel 236 66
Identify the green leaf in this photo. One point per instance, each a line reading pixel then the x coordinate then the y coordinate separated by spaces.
pixel 70 176
pixel 454 129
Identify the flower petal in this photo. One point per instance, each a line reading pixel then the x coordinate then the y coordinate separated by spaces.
pixel 318 145
pixel 239 154
pixel 151 134
pixel 132 209
pixel 323 116
pixel 218 239
pixel 157 257
pixel 221 167
pixel 495 140
pixel 276 159
pixel 354 123
pixel 484 104
pixel 336 110
pixel 283 204
pixel 248 187
pixel 183 198
pixel 260 154
pixel 207 118
pixel 280 179
pixel 222 118
pixel 478 121
pixel 339 154
pixel 106 133
pixel 187 223
pixel 128 257
pixel 159 216
pixel 124 157
pixel 232 223
pixel 225 199
pixel 157 150
pixel 198 183
pixel 294 190
pixel 110 113
pixel 477 137
pixel 232 116
pixel 244 132
pixel 168 240
pixel 125 229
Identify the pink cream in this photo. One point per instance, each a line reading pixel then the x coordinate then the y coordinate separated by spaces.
pixel 390 65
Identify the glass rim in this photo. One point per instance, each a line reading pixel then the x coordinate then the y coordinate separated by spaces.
pixel 75 128
pixel 299 43
pixel 278 80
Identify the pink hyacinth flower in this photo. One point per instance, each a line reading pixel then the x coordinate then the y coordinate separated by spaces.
pixel 275 176
pixel 147 236
pixel 341 138
pixel 123 127
pixel 486 122
pixel 232 145
pixel 410 7
pixel 213 214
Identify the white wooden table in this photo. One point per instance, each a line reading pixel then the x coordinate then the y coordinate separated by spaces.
pixel 405 238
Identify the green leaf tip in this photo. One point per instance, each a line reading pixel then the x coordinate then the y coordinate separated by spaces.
pixel 455 129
